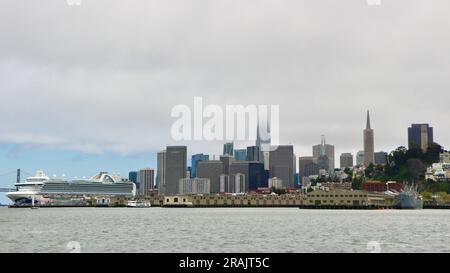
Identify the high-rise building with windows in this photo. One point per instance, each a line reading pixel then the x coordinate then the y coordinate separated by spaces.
pixel 321 151
pixel 133 176
pixel 175 168
pixel 194 159
pixel 303 162
pixel 281 164
pixel 346 160
pixel 240 154
pixel 161 170
pixel 360 158
pixel 251 172
pixel 211 169
pixel 228 148
pixel 147 178
pixel 381 158
pixel 226 160
pixel 253 153
pixel 194 186
pixel 420 136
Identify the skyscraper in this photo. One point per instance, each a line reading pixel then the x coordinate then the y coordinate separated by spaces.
pixel 240 155
pixel 226 160
pixel 360 158
pixel 133 176
pixel 195 158
pixel 303 161
pixel 161 171
pixel 175 168
pixel 147 178
pixel 346 160
pixel 323 150
pixel 253 153
pixel 249 174
pixel 211 169
pixel 281 164
pixel 381 158
pixel 420 136
pixel 228 148
pixel 369 155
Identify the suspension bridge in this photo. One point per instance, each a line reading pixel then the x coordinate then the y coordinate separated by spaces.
pixel 8 179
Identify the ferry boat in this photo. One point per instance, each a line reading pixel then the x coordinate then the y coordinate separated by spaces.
pixel 138 204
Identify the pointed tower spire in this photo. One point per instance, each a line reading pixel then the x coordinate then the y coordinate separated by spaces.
pixel 368 120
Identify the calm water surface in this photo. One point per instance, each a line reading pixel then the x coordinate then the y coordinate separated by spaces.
pixel 223 230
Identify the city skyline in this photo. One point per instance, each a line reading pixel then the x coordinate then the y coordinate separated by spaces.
pixel 321 83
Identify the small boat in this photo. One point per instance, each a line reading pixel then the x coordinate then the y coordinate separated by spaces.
pixel 138 204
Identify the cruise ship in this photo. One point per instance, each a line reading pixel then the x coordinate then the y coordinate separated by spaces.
pixel 45 190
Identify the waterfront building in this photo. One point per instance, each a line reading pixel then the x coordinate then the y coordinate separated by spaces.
pixel 346 160
pixel 420 136
pixel 160 170
pixel 228 148
pixel 381 158
pixel 323 150
pixel 360 158
pixel 254 153
pixel 369 154
pixel 240 154
pixel 379 186
pixel 281 163
pixel 147 178
pixel 335 185
pixel 175 168
pixel 194 186
pixel 276 183
pixel 336 197
pixel 194 159
pixel 444 157
pixel 211 169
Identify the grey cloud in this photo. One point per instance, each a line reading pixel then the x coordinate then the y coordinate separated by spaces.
pixel 104 76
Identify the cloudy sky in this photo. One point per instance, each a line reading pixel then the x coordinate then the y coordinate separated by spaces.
pixel 91 87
